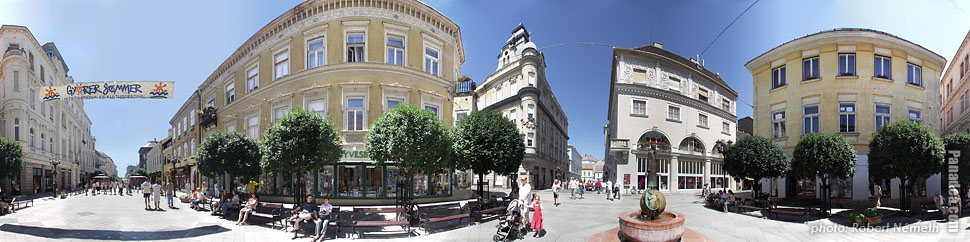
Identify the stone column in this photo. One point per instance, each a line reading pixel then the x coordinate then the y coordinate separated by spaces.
pixel 674 163
pixel 707 171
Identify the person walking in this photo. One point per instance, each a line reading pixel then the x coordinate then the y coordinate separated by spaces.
pixel 525 197
pixel 599 187
pixel 145 191
pixel 609 190
pixel 616 191
pixel 168 191
pixel 537 216
pixel 157 192
pixel 582 189
pixel 556 186
pixel 877 189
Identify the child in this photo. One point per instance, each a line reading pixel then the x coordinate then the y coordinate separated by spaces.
pixel 536 215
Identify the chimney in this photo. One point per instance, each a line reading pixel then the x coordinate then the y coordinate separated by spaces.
pixel 658 45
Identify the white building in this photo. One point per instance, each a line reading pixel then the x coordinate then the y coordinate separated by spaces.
pixel 46 130
pixel 518 89
pixel 659 99
pixel 575 162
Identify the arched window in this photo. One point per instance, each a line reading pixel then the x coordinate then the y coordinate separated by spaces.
pixel 16 129
pixel 653 139
pixel 691 144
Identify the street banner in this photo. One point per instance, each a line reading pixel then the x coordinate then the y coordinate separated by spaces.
pixel 109 90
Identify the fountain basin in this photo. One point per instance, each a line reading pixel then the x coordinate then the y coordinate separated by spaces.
pixel 669 227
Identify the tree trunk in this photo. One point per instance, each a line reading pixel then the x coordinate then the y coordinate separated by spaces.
pixel 903 195
pixel 481 178
pixel 827 198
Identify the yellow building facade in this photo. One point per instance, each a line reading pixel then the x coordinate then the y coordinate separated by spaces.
pixel 847 82
pixel 349 61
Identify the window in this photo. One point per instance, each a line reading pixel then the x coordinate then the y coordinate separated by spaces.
pixel 529 140
pixel 673 113
pixel 726 127
pixel 252 127
pixel 355 47
pixel 191 118
pixel 395 50
pixel 432 109
pixel 641 164
pixel 252 79
pixel 391 103
pixel 965 101
pixel 846 64
pixel 882 115
pixel 532 111
pixel 778 124
pixel 639 107
pixel 355 114
pixel 231 127
pixel 916 115
pixel 512 115
pixel 914 75
pixel 316 54
pixel 33 98
pixel 211 101
pixel 846 117
pixel 810 117
pixel 702 95
pixel 498 92
pixel 281 64
pixel 532 79
pixel 16 129
pixel 778 77
pixel 230 93
pixel 725 105
pixel 810 68
pixel 279 113
pixel 317 106
pixel 702 120
pixel 31 137
pixel 882 67
pixel 431 61
pixel 640 76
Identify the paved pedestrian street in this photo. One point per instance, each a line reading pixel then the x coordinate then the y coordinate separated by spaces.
pixel 113 218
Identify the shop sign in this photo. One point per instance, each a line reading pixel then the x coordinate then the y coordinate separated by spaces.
pixel 109 90
pixel 355 155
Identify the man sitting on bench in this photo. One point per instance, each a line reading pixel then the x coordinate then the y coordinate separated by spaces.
pixel 940 204
pixel 323 219
pixel 6 203
pixel 307 211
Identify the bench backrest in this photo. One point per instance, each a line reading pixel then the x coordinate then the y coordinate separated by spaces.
pixel 268 207
pixel 440 206
pixel 379 210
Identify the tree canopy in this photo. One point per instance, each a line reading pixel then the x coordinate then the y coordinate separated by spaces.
pixel 11 158
pixel 299 142
pixel 824 156
pixel 905 150
pixel 231 153
pixel 755 157
pixel 484 142
pixel 960 141
pixel 412 138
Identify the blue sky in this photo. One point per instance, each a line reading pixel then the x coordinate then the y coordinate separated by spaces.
pixel 184 41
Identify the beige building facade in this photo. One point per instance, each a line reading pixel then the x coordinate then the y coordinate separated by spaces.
pixel 47 131
pixel 847 82
pixel 956 92
pixel 348 61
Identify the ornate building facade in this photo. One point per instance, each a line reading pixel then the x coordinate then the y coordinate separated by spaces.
pixel 659 99
pixel 956 91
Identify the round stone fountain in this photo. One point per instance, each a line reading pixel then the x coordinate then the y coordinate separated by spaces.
pixel 651 223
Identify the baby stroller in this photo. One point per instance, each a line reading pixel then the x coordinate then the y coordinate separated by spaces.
pixel 510 227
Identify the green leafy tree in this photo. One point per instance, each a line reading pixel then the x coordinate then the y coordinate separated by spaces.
pixel 413 139
pixel 299 142
pixel 11 158
pixel 959 141
pixel 824 156
pixel 229 153
pixel 138 172
pixel 905 150
pixel 484 142
pixel 755 157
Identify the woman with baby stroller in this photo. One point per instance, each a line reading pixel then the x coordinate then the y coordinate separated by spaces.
pixel 515 223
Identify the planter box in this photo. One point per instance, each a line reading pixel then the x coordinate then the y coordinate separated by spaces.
pixel 874 220
pixel 185 200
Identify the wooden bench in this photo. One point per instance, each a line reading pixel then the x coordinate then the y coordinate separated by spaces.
pixel 427 214
pixel 926 207
pixel 792 212
pixel 358 215
pixel 333 223
pixel 271 211
pixel 21 201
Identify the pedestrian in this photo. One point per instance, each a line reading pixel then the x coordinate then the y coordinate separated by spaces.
pixel 145 189
pixel 525 197
pixel 609 190
pixel 555 192
pixel 877 189
pixel 216 188
pixel 170 192
pixel 305 212
pixel 157 192
pixel 582 189
pixel 599 187
pixel 536 216
pixel 35 188
pixel 616 191
pixel 121 189
pixel 705 191
pixel 252 186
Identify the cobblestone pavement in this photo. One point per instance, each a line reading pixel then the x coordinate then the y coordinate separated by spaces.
pixel 114 218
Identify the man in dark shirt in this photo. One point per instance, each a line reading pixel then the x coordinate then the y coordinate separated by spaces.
pixel 307 211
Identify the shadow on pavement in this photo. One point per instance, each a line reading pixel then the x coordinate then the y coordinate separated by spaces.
pixel 85 234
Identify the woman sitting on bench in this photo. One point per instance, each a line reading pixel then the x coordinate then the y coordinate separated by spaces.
pixel 323 219
pixel 245 211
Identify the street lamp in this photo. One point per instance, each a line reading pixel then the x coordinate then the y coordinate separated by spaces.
pixel 54 163
pixel 722 147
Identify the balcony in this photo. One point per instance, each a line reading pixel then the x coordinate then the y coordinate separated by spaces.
pixel 207 116
pixel 465 86
pixel 619 145
pixel 15 51
pixel 660 147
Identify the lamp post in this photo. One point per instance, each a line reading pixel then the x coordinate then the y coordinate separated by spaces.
pixel 54 163
pixel 722 147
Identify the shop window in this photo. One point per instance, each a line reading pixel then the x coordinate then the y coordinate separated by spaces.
pixel 324 179
pixel 440 184
pixel 373 174
pixel 420 185
pixel 391 180
pixel 349 183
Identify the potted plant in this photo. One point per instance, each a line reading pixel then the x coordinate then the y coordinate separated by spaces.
pixel 857 218
pixel 873 216
pixel 185 198
pixel 63 195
